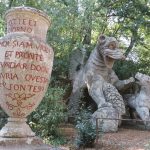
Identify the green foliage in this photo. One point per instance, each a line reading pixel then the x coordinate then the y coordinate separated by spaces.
pixel 2 23
pixel 80 22
pixel 3 118
pixel 126 69
pixel 143 51
pixel 50 113
pixel 86 130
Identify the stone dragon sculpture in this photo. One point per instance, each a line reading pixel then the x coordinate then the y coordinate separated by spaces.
pixel 102 82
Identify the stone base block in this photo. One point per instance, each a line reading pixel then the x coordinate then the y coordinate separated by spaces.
pixel 31 143
pixel 107 124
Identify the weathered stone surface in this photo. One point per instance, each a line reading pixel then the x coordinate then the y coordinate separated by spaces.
pixel 106 125
pixel 141 101
pixel 17 128
pixel 33 143
pixel 25 71
pixel 26 62
pixel 102 82
pixel 27 20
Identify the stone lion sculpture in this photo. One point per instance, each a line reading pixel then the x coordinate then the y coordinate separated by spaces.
pixel 102 83
pixel 140 101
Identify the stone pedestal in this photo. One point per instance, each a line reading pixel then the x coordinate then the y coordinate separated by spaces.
pixel 107 124
pixel 16 127
pixel 30 143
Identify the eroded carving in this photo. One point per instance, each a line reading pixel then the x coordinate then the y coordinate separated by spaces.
pixel 102 82
pixel 140 101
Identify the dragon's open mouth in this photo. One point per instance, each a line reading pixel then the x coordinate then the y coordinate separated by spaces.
pixel 111 55
pixel 109 61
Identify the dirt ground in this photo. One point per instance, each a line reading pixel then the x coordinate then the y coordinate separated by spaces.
pixel 124 139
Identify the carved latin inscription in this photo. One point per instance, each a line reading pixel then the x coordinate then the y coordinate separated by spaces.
pixel 24 70
pixel 21 25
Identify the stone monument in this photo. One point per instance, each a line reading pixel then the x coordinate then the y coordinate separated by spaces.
pixel 140 100
pixel 26 62
pixel 102 83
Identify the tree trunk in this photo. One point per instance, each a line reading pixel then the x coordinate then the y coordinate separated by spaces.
pixel 87 27
pixel 10 3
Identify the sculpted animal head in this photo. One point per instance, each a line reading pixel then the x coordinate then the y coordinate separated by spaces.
pixel 142 79
pixel 109 49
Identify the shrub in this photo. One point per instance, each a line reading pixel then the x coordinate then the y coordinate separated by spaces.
pixel 86 130
pixel 50 113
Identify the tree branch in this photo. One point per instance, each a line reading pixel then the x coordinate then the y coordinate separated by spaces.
pixel 10 3
pixel 144 45
pixel 132 42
